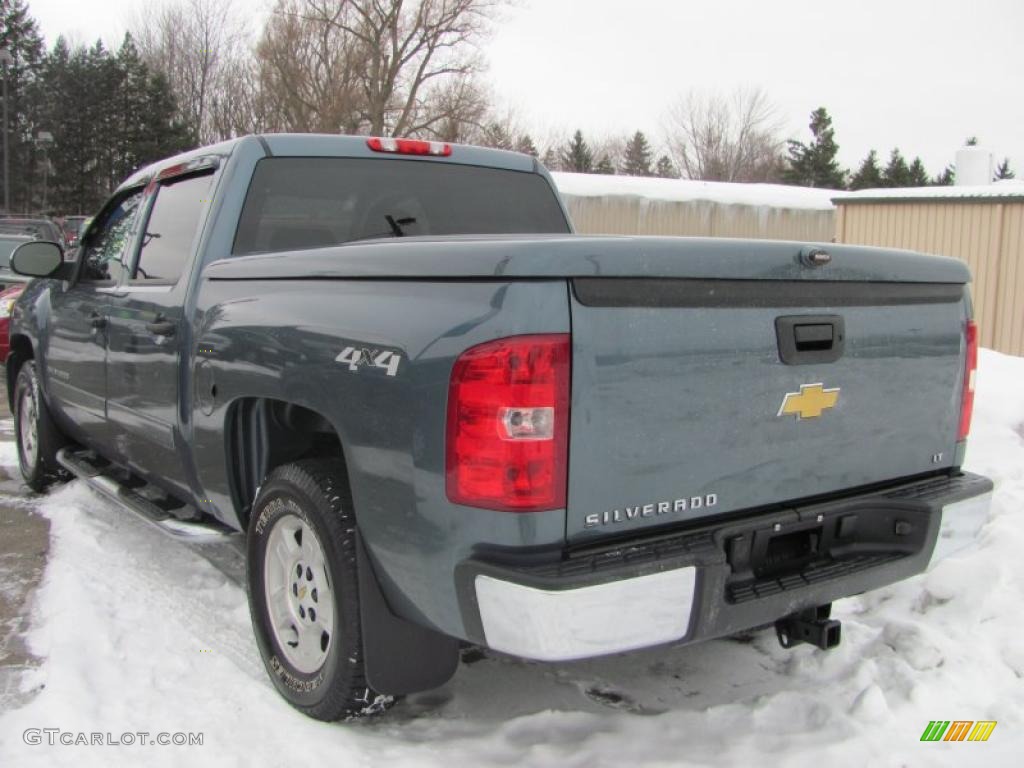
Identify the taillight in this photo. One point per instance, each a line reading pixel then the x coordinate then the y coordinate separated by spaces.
pixel 508 424
pixel 970 374
pixel 410 147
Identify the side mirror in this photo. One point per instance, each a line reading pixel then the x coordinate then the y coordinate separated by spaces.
pixel 39 258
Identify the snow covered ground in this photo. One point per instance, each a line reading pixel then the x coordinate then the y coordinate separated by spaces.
pixel 142 634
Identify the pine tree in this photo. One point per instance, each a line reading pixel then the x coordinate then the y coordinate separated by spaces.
pixel 550 160
pixel 19 35
pixel 869 175
pixel 945 179
pixel 167 135
pixel 98 142
pixel 972 141
pixel 526 146
pixel 815 164
pixel 638 156
pixel 576 156
pixel 896 173
pixel 918 176
pixel 665 169
pixel 1003 171
pixel 69 112
pixel 604 166
pixel 496 136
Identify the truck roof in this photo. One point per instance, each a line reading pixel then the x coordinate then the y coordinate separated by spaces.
pixel 332 145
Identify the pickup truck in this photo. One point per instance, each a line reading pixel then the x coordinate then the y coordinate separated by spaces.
pixel 437 416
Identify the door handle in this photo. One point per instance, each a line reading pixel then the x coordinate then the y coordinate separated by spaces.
pixel 161 326
pixel 96 320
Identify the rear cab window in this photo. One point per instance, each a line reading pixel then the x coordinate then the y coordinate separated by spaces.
pixel 296 202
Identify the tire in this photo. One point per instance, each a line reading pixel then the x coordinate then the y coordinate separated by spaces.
pixel 315 660
pixel 38 438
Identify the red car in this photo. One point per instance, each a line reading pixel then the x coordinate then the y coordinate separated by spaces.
pixel 7 299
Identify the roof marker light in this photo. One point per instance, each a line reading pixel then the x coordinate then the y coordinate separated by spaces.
pixel 410 147
pixel 197 164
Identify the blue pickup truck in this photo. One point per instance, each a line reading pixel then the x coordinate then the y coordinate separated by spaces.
pixel 437 416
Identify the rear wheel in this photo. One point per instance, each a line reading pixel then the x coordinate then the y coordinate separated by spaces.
pixel 38 437
pixel 304 591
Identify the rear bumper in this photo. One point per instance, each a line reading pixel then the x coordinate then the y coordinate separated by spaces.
pixel 718 579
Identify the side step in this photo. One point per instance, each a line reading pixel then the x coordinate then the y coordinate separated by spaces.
pixel 100 475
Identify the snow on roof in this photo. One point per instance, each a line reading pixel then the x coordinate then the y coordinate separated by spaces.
pixel 1000 189
pixel 684 191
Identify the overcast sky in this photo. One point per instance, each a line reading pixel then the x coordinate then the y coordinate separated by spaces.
pixel 918 74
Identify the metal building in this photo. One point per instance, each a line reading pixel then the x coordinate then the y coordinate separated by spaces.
pixel 983 225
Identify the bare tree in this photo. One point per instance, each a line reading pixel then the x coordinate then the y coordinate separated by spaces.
pixel 307 73
pixel 715 137
pixel 498 127
pixel 239 105
pixel 194 43
pixel 462 107
pixel 390 67
pixel 418 57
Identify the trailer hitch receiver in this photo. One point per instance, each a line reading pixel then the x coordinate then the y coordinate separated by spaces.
pixel 811 626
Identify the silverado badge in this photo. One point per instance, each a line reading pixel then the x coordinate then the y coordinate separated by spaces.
pixel 809 402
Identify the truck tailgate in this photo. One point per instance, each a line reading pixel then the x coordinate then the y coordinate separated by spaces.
pixel 683 407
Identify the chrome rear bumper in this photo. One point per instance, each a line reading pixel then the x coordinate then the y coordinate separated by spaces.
pixel 719 578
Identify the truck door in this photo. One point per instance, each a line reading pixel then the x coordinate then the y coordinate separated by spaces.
pixel 76 344
pixel 145 332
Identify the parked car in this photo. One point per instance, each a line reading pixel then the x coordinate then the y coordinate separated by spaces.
pixel 438 416
pixel 39 228
pixel 7 245
pixel 7 299
pixel 73 227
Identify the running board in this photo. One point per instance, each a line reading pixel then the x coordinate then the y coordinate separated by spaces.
pixel 97 473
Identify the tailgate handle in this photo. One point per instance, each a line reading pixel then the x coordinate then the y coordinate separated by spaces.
pixel 807 339
pixel 811 337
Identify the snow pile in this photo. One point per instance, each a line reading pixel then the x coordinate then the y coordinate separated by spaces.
pixel 685 191
pixel 141 634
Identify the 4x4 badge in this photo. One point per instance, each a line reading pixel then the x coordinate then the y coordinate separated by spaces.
pixel 361 357
pixel 810 402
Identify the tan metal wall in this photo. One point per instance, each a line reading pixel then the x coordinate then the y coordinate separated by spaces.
pixel 988 235
pixel 631 215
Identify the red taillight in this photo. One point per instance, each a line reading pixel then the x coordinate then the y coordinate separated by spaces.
pixel 970 374
pixel 508 424
pixel 410 147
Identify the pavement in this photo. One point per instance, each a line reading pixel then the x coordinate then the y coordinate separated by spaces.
pixel 24 543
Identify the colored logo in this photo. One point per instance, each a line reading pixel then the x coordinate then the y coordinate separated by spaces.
pixel 958 730
pixel 810 402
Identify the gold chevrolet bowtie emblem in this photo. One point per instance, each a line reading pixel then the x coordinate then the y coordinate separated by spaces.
pixel 809 402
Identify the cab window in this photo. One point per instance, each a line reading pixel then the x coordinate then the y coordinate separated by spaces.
pixel 171 228
pixel 104 252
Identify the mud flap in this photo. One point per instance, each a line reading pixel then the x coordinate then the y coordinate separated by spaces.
pixel 400 657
